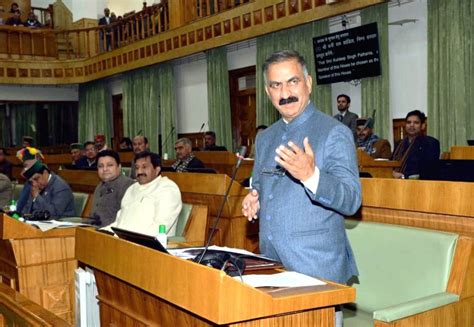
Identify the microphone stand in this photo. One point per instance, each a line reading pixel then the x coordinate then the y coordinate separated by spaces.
pixel 167 137
pixel 241 155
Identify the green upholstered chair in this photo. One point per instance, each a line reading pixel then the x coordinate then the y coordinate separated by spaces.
pixel 80 201
pixel 126 171
pixel 17 190
pixel 402 271
pixel 181 223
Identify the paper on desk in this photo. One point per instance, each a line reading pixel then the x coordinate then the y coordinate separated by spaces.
pixel 50 224
pixel 187 253
pixel 284 279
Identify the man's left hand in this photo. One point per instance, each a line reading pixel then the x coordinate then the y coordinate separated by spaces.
pixel 298 162
pixel 35 191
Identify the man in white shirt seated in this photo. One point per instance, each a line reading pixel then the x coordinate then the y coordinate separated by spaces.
pixel 153 201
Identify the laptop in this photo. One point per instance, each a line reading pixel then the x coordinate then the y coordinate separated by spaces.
pixel 142 239
pixel 448 170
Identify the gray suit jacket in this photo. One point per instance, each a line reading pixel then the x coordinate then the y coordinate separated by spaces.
pixel 350 120
pixel 305 231
pixel 56 198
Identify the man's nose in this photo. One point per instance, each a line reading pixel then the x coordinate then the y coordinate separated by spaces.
pixel 285 91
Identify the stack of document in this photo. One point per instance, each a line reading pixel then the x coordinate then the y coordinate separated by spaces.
pixel 284 279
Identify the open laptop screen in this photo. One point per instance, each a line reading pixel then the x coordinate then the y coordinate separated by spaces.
pixel 142 239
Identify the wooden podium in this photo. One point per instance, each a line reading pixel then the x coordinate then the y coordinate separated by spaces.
pixel 39 265
pixel 234 230
pixel 142 287
pixel 376 168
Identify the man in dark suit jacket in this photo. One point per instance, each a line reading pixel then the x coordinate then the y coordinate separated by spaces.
pixel 371 143
pixel 106 20
pixel 210 142
pixel 415 148
pixel 345 116
pixel 186 158
pixel 49 193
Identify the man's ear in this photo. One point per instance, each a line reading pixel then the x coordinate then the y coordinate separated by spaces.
pixel 157 171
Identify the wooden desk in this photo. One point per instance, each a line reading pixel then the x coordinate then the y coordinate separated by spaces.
pixel 439 205
pixel 39 265
pixel 141 287
pixel 376 168
pixel 462 152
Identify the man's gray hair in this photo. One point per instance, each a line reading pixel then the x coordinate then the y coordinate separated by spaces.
pixel 185 141
pixel 282 56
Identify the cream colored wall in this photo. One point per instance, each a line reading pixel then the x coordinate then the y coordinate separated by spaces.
pixel 119 7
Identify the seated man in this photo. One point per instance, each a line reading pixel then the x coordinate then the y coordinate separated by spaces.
pixel 186 158
pixel 100 144
pixel 49 195
pixel 153 201
pixel 27 141
pixel 369 142
pixel 415 148
pixel 210 142
pixel 91 155
pixel 77 155
pixel 27 156
pixel 110 191
pixel 140 144
pixel 126 145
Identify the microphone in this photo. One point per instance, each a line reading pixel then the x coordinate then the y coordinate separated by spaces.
pixel 370 120
pixel 167 137
pixel 202 126
pixel 241 156
pixel 212 259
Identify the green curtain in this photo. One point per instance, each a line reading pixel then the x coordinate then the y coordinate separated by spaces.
pixel 62 128
pixel 299 38
pixel 149 105
pixel 450 71
pixel 219 96
pixel 167 105
pixel 24 118
pixel 141 105
pixel 375 92
pixel 94 114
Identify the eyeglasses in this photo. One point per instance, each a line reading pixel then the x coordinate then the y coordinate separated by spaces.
pixel 277 171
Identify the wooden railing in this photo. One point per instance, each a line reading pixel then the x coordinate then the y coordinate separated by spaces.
pixel 89 42
pixel 206 8
pixel 19 41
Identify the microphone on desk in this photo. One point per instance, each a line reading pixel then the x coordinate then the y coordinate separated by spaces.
pixel 221 260
pixel 167 138
pixel 370 121
pixel 202 126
